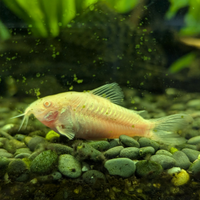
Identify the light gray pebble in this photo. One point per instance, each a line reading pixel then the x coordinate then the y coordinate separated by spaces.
pixel 191 154
pixel 69 166
pixel 146 151
pixel 123 167
pixel 113 152
pixel 163 152
pixel 165 161
pixel 114 143
pixel 130 152
pixel 93 177
pixel 100 145
pixel 194 140
pixel 128 141
pixel 182 160
pixel 144 142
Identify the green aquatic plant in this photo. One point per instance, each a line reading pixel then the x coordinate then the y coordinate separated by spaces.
pixel 45 18
pixel 192 28
pixel 4 32
pixel 182 62
pixel 192 17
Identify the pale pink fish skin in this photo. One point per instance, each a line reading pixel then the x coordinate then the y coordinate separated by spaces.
pixel 89 116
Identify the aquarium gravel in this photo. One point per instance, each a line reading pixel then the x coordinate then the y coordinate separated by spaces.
pixel 37 158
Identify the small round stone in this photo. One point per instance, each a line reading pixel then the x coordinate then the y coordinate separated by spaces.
pixel 123 167
pixel 128 141
pixel 114 143
pixel 100 145
pixel 34 142
pixel 84 151
pixel 113 152
pixel 194 140
pixel 146 151
pixel 191 154
pixel 93 177
pixel 182 160
pixel 165 161
pixel 148 169
pixel 69 166
pixel 163 152
pixel 130 152
pixel 144 142
pixel 59 148
pixel 195 169
pixel 16 167
pixel 44 162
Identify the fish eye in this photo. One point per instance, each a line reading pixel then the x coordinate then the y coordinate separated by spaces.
pixel 47 104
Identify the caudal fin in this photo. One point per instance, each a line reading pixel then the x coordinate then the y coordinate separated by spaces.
pixel 166 128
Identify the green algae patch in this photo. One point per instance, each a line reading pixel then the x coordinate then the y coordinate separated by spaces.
pixel 44 162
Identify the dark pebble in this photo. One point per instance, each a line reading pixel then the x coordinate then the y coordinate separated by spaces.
pixel 93 177
pixel 33 142
pixel 114 143
pixel 148 169
pixel 100 145
pixel 128 141
pixel 144 142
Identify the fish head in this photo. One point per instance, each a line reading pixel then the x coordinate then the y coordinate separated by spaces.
pixel 45 110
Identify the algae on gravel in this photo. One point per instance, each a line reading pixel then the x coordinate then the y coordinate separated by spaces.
pixel 44 162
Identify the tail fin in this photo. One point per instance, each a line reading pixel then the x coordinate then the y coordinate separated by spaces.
pixel 165 128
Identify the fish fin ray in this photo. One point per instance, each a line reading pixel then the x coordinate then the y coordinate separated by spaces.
pixel 68 132
pixel 110 91
pixel 166 128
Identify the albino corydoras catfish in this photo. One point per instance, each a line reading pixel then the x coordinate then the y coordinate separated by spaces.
pixel 95 115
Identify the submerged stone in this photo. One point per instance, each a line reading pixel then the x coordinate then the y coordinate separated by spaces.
pixel 44 162
pixel 149 169
pixel 128 141
pixel 69 166
pixel 123 167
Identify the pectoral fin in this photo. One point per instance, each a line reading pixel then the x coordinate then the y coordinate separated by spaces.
pixel 68 132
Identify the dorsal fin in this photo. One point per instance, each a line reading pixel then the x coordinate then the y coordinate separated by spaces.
pixel 110 91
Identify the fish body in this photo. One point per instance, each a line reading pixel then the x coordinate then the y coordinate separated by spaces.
pixel 95 115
